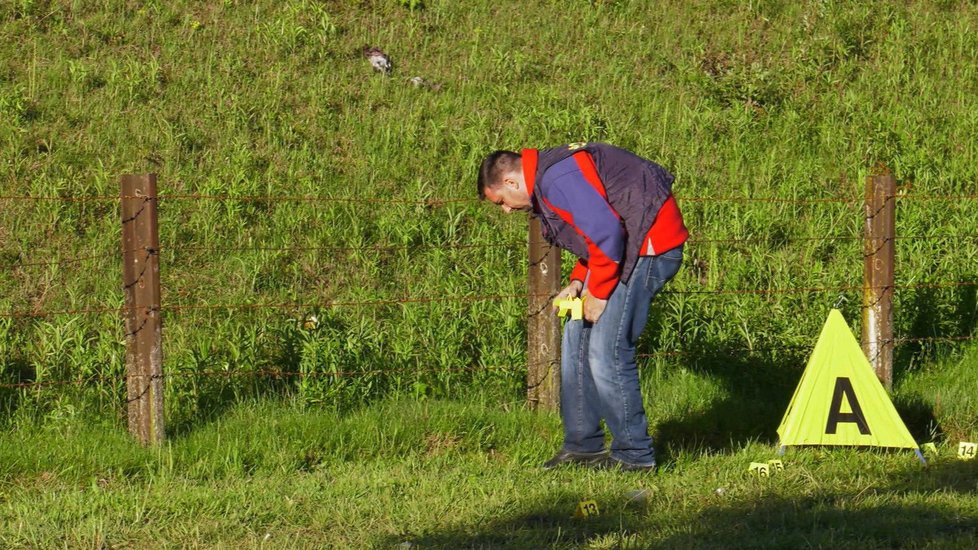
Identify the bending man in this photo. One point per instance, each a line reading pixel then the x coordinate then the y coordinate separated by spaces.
pixel 615 211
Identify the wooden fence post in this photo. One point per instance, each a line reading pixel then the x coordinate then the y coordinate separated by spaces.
pixel 878 254
pixel 141 283
pixel 543 330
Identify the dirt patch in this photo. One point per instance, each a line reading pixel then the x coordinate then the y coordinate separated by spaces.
pixel 438 444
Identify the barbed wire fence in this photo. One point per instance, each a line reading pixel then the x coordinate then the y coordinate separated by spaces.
pixel 143 311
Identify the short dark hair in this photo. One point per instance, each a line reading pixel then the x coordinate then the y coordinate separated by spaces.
pixel 494 167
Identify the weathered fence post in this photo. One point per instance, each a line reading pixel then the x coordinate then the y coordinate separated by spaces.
pixel 878 254
pixel 543 331
pixel 141 283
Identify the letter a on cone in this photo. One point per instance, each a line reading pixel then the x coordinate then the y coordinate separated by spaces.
pixel 839 400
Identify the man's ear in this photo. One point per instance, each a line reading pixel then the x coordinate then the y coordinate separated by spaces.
pixel 509 180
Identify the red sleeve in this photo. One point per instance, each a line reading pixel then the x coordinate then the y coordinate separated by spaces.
pixel 579 273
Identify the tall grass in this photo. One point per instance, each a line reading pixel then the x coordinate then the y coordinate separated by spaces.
pixel 765 99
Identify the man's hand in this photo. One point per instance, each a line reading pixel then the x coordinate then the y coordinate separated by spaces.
pixel 573 290
pixel 593 307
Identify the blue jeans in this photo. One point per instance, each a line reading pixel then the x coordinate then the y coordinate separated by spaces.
pixel 598 374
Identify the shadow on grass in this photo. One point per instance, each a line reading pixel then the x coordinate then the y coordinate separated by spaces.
pixel 890 516
pixel 550 525
pixel 942 475
pixel 15 371
pixel 933 315
pixel 758 388
pixel 205 399
pixel 759 385
pixel 919 418
pixel 828 520
pixel 215 399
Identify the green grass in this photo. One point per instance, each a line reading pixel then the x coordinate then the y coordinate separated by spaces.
pixel 762 99
pixel 465 474
pixel 458 474
pixel 768 99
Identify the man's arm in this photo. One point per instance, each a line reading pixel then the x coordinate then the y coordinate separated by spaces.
pixel 579 273
pixel 577 195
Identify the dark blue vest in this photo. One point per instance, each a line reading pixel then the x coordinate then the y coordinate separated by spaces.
pixel 636 189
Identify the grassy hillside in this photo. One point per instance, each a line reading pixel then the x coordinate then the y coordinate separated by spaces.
pixel 766 99
pixel 428 443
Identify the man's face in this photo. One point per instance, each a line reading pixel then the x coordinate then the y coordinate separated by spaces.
pixel 510 195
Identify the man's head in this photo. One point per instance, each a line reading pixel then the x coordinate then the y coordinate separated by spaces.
pixel 501 181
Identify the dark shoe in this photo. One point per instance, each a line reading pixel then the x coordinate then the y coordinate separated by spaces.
pixel 568 457
pixel 610 463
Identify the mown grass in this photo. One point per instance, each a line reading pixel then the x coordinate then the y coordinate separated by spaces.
pixel 760 99
pixel 465 474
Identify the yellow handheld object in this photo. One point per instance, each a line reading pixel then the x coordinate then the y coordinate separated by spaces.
pixel 574 306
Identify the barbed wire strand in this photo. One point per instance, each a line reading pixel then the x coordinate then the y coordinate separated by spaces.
pixel 908 197
pixel 475 298
pixel 776 200
pixel 456 246
pixel 62 261
pixel 272 373
pixel 366 248
pixel 113 255
pixel 769 240
pixel 79 311
pixel 241 198
pixel 341 303
pixel 279 373
pixel 382 200
pixel 451 200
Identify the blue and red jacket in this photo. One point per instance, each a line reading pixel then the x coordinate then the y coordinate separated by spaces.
pixel 591 197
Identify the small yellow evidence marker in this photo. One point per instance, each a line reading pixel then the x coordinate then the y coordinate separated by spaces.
pixel 929 448
pixel 966 450
pixel 776 465
pixel 761 469
pixel 586 509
